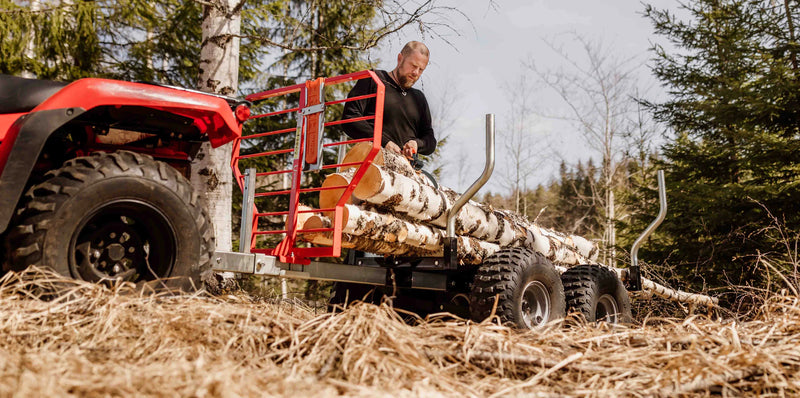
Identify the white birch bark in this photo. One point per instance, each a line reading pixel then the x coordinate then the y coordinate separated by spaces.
pixel 401 195
pixel 219 73
pixel 383 234
pixel 30 47
pixel 388 159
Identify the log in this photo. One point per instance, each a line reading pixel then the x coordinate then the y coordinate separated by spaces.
pixel 406 239
pixel 365 224
pixel 395 193
pixel 390 191
pixel 476 222
pixel 328 198
pixel 679 296
pixel 388 159
pixel 361 243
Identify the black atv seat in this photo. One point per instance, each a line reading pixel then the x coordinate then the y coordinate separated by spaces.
pixel 18 94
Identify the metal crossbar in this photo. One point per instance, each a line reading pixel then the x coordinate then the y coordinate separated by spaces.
pixel 307 102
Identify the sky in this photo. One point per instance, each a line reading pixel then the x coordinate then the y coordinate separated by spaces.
pixel 475 70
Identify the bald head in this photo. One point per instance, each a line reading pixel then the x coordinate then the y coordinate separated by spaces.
pixel 415 46
pixel 411 62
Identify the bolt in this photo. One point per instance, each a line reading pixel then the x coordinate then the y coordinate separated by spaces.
pixel 112 235
pixel 117 269
pixel 219 260
pixel 131 250
pixel 70 111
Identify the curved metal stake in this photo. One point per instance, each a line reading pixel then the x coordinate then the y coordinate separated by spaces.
pixel 635 273
pixel 451 243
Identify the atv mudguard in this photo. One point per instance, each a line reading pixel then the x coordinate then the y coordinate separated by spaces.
pixel 24 140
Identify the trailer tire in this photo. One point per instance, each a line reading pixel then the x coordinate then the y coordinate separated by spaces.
pixel 525 285
pixel 596 294
pixel 110 216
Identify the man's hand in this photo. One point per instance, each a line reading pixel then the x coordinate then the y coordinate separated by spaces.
pixel 410 148
pixel 391 146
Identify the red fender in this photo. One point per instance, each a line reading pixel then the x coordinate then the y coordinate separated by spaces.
pixel 212 115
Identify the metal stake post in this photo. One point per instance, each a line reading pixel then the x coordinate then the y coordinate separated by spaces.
pixel 451 243
pixel 635 273
pixel 248 201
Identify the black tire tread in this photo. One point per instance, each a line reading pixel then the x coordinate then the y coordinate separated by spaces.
pixel 583 282
pixel 499 276
pixel 40 202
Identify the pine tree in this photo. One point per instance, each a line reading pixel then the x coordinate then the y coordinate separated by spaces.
pixel 734 109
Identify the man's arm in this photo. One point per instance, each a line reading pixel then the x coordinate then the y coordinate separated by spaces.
pixel 426 140
pixel 361 108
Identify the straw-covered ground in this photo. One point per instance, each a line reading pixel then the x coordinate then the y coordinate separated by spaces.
pixel 91 340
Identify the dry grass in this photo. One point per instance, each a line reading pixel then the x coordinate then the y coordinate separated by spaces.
pixel 90 340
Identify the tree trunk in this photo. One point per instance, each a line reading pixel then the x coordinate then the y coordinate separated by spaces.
pixel 30 47
pixel 219 73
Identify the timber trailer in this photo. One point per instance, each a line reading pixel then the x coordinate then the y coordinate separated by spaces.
pixel 94 184
pixel 520 286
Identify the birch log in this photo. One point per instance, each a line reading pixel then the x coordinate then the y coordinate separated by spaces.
pixel 394 192
pixel 328 198
pixel 382 234
pixel 387 159
pixel 484 222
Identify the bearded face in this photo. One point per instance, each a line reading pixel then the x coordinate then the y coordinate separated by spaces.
pixel 410 68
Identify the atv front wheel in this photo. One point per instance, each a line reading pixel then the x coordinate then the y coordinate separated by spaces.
pixel 525 285
pixel 114 216
pixel 597 294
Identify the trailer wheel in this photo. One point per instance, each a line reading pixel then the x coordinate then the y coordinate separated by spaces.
pixel 114 216
pixel 597 294
pixel 525 285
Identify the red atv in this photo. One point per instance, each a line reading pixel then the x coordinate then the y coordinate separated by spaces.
pixel 93 178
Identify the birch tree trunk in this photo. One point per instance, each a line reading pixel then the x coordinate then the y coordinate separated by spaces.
pixel 219 73
pixel 30 47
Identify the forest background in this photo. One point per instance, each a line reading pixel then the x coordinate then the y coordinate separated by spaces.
pixel 723 122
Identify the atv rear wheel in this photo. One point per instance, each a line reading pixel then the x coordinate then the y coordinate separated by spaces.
pixel 114 216
pixel 596 293
pixel 525 284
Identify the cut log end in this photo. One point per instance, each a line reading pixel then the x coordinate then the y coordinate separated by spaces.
pixel 329 197
pixel 358 153
pixel 370 184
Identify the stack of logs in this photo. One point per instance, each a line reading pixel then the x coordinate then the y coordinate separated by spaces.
pixel 396 211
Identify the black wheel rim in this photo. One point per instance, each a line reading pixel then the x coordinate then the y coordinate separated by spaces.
pixel 607 309
pixel 125 239
pixel 535 305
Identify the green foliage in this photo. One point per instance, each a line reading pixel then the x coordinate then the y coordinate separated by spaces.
pixel 734 103
pixel 14 25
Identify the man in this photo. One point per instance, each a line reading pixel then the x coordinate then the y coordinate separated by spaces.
pixel 406 115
